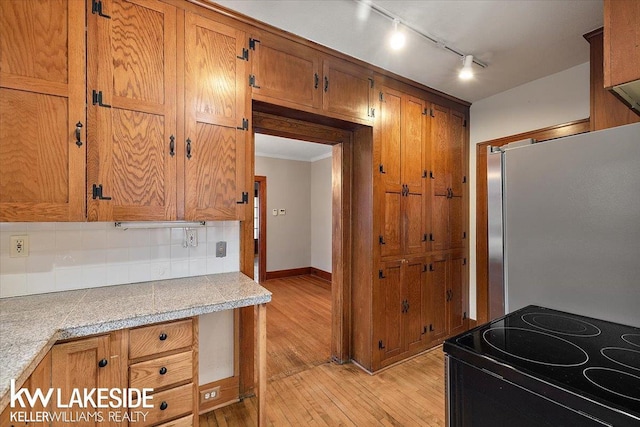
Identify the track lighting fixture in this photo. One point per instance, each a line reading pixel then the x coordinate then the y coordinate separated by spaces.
pixel 466 72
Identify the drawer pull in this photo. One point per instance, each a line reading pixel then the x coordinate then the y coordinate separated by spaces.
pixel 102 363
pixel 163 336
pixel 163 370
pixel 163 405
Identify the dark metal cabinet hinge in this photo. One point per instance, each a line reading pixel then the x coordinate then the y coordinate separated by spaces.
pixel 431 175
pixel 96 8
pixel 464 123
pixel 464 261
pixel 464 179
pixel 245 125
pixel 381 240
pixel 252 43
pixel 425 268
pixel 245 54
pixel 371 82
pixel 380 345
pixel 97 193
pixel 252 81
pixel 464 315
pixel 381 97
pixel 425 112
pixel 464 234
pixel 245 199
pixel 381 275
pixel 381 168
pixel 372 112
pixel 431 113
pixel 431 328
pixel 425 330
pixel 424 173
pixel 97 99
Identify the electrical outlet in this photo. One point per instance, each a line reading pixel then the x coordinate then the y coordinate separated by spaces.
pixel 208 395
pixel 275 212
pixel 221 249
pixel 191 237
pixel 19 246
pixel 282 212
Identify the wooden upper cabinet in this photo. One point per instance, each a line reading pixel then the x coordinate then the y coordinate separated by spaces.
pixel 347 89
pixel 131 96
pixel 216 120
pixel 285 72
pixel 439 142
pixel 621 41
pixel 390 131
pixel 42 125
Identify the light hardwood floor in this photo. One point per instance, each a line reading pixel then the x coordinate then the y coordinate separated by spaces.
pixel 305 389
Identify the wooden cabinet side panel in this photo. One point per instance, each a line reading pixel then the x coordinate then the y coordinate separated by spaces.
pixel 621 42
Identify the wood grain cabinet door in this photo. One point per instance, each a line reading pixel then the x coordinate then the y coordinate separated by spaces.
pixel 131 97
pixel 347 90
pixel 436 296
pixel 84 364
pixel 415 275
pixel 286 73
pixel 216 122
pixel 388 315
pixel 42 113
pixel 457 300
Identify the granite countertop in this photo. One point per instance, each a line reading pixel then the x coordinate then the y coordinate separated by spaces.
pixel 30 325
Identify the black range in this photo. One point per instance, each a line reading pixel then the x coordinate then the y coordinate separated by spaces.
pixel 538 366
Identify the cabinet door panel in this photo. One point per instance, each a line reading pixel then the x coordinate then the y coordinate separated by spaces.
pixel 75 365
pixel 133 67
pixel 415 240
pixel 440 223
pixel 42 79
pixel 437 298
pixel 389 316
pixel 391 138
pixel 457 304
pixel 414 282
pixel 439 137
pixel 348 89
pixel 456 152
pixel 413 155
pixel 457 223
pixel 391 225
pixel 211 175
pixel 215 107
pixel 286 73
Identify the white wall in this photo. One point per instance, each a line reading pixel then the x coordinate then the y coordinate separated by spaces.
pixel 321 202
pixel 559 98
pixel 288 236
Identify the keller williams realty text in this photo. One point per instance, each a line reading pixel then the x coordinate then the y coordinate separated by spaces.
pixel 77 417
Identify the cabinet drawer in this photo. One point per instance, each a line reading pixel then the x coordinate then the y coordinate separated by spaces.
pixel 155 339
pixel 162 372
pixel 180 422
pixel 176 401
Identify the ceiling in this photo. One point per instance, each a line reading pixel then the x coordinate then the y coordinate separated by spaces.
pixel 519 40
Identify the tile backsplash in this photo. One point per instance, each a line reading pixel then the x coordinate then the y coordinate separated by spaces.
pixel 65 256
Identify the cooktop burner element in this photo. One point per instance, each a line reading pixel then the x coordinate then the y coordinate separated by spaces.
pixel 614 381
pixel 633 339
pixel 534 346
pixel 623 356
pixel 561 324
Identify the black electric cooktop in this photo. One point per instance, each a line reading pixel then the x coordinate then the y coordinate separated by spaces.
pixel 595 359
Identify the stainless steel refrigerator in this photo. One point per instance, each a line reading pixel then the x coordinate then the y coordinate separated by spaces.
pixel 564 225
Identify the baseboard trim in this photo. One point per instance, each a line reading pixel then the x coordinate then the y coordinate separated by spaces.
pixel 228 393
pixel 321 274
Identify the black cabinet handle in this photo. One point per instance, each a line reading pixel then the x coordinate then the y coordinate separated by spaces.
pixel 79 134
pixel 424 237
pixel 188 148
pixel 163 370
pixel 172 145
pixel 162 336
pixel 103 362
pixel 316 80
pixel 326 83
pixel 164 405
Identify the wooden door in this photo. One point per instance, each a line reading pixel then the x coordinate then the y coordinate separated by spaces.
pixel 131 96
pixel 217 124
pixel 439 232
pixel 82 364
pixel 42 108
pixel 436 297
pixel 389 294
pixel 414 280
pixel 457 295
pixel 285 72
pixel 347 89
pixel 389 172
pixel 413 173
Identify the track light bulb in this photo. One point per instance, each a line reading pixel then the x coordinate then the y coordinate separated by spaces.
pixel 398 38
pixel 466 72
